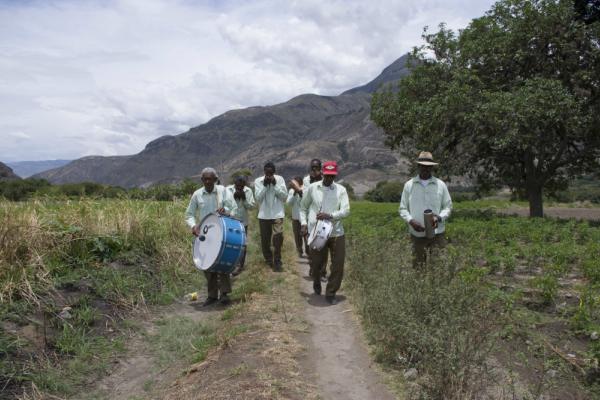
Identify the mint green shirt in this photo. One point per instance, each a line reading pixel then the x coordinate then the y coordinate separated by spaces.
pixel 241 211
pixel 203 203
pixel 331 200
pixel 417 198
pixel 271 198
pixel 293 200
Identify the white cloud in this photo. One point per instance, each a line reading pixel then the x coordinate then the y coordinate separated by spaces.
pixel 106 77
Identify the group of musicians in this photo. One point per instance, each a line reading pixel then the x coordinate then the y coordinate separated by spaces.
pixel 316 197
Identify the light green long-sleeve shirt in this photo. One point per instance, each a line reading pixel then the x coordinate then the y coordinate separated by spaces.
pixel 294 199
pixel 332 200
pixel 271 198
pixel 203 203
pixel 417 198
pixel 241 211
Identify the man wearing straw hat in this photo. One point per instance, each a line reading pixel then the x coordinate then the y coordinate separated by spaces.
pixel 420 194
pixel 209 199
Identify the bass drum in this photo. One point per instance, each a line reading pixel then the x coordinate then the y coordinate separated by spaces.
pixel 320 233
pixel 220 245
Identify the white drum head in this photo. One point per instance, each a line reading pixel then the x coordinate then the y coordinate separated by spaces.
pixel 207 246
pixel 320 233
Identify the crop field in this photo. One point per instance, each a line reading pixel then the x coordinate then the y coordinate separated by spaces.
pixel 511 308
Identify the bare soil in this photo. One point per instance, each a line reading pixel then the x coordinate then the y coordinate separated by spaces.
pixel 590 214
pixel 136 372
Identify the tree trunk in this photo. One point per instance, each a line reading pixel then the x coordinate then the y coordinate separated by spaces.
pixel 533 185
pixel 536 202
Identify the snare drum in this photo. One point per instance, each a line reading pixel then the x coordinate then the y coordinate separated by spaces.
pixel 220 244
pixel 320 233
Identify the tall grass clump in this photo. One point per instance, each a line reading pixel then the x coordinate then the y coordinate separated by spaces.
pixel 439 319
pixel 98 257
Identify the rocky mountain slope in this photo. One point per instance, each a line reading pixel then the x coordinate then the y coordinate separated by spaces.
pixel 289 134
pixel 6 173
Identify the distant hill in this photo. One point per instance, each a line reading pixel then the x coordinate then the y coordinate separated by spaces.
pixel 26 169
pixel 289 134
pixel 6 173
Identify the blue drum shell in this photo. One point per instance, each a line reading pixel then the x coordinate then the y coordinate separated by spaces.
pixel 232 247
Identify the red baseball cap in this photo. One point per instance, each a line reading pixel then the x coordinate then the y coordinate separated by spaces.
pixel 330 168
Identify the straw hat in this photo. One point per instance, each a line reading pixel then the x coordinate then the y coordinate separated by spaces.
pixel 425 158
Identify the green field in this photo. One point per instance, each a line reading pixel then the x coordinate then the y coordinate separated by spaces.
pixel 516 292
pixel 519 296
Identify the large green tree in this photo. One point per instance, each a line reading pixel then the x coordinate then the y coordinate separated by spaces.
pixel 513 99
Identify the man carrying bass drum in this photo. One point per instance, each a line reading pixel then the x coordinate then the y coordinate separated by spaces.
pixel 326 200
pixel 209 199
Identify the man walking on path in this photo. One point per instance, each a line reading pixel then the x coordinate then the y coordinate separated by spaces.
pixel 315 175
pixel 326 200
pixel 209 199
pixel 271 193
pixel 425 192
pixel 244 200
pixel 293 199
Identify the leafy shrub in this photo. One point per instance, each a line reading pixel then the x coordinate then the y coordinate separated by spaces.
pixel 17 190
pixel 349 189
pixel 385 192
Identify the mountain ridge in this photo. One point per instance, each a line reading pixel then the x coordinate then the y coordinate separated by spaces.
pixel 7 174
pixel 289 134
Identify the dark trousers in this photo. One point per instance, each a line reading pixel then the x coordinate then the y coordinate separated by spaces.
pixel 423 246
pixel 217 282
pixel 337 247
pixel 271 230
pixel 298 238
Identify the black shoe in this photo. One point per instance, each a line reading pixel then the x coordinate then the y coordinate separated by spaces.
pixel 331 300
pixel 224 300
pixel 209 301
pixel 277 266
pixel 317 287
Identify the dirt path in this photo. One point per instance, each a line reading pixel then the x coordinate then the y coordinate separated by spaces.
pixel 337 354
pixel 131 376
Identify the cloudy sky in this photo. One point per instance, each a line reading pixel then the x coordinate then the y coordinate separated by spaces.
pixel 105 77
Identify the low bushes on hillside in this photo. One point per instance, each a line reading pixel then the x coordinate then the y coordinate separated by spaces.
pixel 385 192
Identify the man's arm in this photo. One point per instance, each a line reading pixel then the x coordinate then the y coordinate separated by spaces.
pixel 249 202
pixel 259 190
pixel 290 197
pixel 280 189
pixel 344 209
pixel 304 206
pixel 404 203
pixel 190 212
pixel 446 207
pixel 229 203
